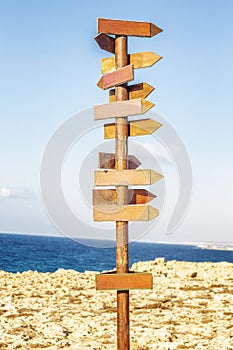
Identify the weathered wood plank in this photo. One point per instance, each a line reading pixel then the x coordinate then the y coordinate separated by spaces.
pixel 110 197
pixel 126 177
pixel 132 28
pixel 122 109
pixel 107 161
pixel 118 77
pixel 136 128
pixel 141 90
pixel 124 281
pixel 124 213
pixel 139 60
pixel 105 42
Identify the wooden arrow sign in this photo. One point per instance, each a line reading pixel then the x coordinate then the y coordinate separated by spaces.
pixel 105 42
pixel 110 197
pixel 125 213
pixel 122 109
pixel 126 177
pixel 139 60
pixel 124 281
pixel 136 128
pixel 118 77
pixel 141 90
pixel 107 161
pixel 132 28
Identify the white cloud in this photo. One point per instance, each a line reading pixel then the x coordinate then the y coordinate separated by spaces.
pixel 7 192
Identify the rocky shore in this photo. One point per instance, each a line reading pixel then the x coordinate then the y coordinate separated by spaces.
pixel 190 307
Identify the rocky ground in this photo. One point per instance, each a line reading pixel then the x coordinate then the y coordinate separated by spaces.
pixel 190 307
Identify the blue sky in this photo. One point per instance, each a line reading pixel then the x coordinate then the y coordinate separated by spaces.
pixel 49 67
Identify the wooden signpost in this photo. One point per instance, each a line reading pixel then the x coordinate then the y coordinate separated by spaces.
pixel 120 170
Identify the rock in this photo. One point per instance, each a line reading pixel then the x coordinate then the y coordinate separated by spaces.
pixel 190 307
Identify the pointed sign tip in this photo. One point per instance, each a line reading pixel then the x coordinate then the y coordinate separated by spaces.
pixel 153 212
pixel 155 176
pixel 146 105
pixel 154 30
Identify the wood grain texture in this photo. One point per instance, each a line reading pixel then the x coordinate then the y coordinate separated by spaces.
pixel 105 42
pixel 110 197
pixel 107 161
pixel 118 77
pixel 126 177
pixel 122 109
pixel 124 281
pixel 124 213
pixel 132 28
pixel 136 91
pixel 139 60
pixel 136 128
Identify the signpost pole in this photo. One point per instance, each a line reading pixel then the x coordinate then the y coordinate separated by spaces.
pixel 121 130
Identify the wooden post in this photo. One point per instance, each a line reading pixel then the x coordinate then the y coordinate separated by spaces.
pixel 122 265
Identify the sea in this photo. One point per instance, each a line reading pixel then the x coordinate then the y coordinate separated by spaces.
pixel 19 253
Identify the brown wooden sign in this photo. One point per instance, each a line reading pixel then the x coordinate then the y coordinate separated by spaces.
pixel 132 28
pixel 124 281
pixel 139 60
pixel 124 213
pixel 126 177
pixel 141 90
pixel 107 161
pixel 117 77
pixel 105 42
pixel 122 109
pixel 136 128
pixel 111 197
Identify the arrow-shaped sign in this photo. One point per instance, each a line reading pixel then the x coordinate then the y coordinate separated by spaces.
pixel 124 213
pixel 126 177
pixel 107 161
pixel 139 60
pixel 122 109
pixel 110 196
pixel 118 27
pixel 119 76
pixel 105 42
pixel 141 90
pixel 136 128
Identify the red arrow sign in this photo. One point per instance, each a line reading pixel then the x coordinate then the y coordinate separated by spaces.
pixel 120 76
pixel 118 27
pixel 110 197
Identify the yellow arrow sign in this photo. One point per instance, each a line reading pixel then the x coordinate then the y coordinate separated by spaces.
pixel 122 109
pixel 126 177
pixel 124 213
pixel 141 90
pixel 136 128
pixel 139 60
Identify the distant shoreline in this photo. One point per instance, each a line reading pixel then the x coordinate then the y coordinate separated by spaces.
pixel 226 246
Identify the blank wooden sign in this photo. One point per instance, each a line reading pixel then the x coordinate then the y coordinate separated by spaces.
pixel 122 109
pixel 141 90
pixel 124 281
pixel 132 28
pixel 107 161
pixel 139 60
pixel 124 213
pixel 126 177
pixel 136 128
pixel 118 77
pixel 110 197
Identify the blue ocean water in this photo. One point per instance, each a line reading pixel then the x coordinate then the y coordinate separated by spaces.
pixel 20 253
